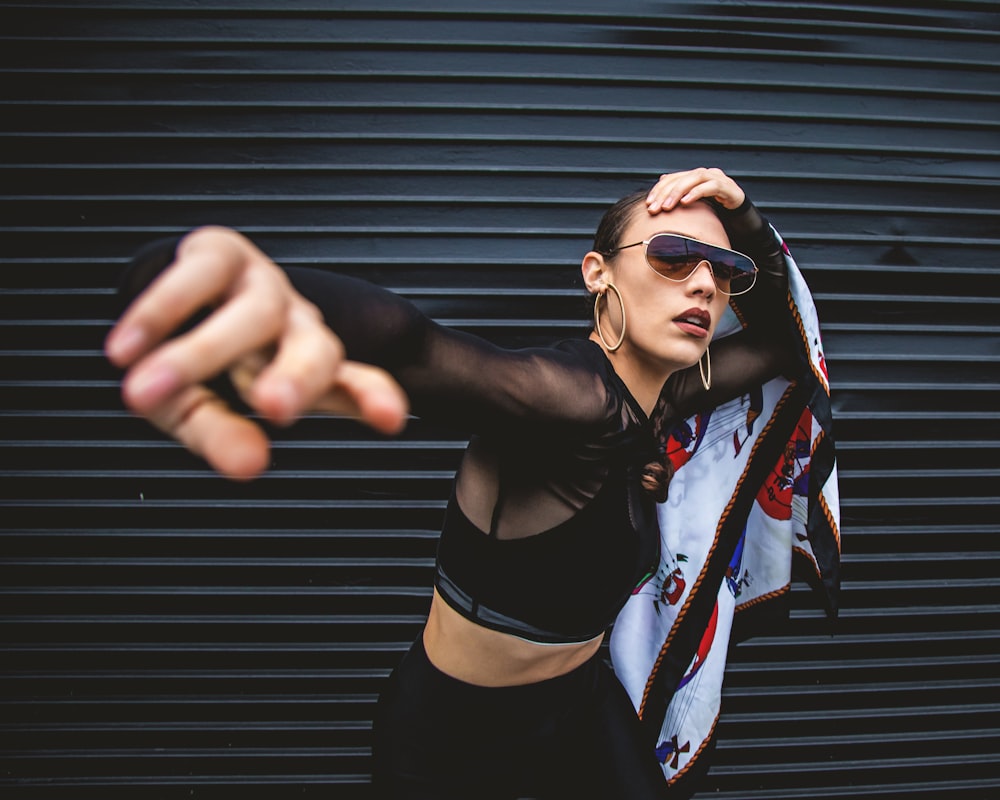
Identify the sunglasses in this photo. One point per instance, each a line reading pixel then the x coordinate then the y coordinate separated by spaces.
pixel 677 257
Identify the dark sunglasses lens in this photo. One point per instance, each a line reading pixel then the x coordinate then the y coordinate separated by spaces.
pixel 672 256
pixel 734 273
pixel 676 257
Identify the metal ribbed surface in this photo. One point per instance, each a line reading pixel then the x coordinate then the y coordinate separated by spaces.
pixel 169 633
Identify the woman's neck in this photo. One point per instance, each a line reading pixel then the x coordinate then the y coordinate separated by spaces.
pixel 643 379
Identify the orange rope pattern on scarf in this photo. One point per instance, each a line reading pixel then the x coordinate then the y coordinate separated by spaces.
pixel 805 341
pixel 764 597
pixel 822 499
pixel 695 754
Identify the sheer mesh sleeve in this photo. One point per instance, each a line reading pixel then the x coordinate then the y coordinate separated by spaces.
pixel 448 375
pixel 546 419
pixel 457 377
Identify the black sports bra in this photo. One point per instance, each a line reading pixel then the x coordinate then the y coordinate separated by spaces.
pixel 564 585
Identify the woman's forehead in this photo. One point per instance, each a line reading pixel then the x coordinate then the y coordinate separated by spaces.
pixel 697 221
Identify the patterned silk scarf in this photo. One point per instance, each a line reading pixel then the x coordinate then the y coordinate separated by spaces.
pixel 754 492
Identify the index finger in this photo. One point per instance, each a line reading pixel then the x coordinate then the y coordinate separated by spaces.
pixel 692 185
pixel 196 278
pixel 667 190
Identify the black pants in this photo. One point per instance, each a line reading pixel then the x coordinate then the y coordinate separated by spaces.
pixel 575 736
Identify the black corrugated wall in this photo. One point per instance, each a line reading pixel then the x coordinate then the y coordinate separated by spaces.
pixel 165 633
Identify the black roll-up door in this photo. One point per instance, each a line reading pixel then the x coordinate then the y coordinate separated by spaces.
pixel 165 633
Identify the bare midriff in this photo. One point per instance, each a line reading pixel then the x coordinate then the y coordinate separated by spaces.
pixel 484 657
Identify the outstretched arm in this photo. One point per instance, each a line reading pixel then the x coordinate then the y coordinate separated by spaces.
pixel 272 331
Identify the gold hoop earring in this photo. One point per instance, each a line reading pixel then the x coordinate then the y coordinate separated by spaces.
pixel 706 381
pixel 597 318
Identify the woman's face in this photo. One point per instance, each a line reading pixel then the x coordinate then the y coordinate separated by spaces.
pixel 669 324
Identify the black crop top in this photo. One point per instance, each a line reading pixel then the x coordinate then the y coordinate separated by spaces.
pixel 547 530
pixel 566 584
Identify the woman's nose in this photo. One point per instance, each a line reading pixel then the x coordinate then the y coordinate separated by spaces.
pixel 702 279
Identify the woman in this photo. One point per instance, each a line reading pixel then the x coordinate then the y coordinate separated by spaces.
pixel 551 523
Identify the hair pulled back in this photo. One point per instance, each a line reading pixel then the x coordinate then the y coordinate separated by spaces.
pixel 656 475
pixel 611 228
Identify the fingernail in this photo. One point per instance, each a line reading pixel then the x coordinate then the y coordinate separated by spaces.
pixel 152 384
pixel 388 412
pixel 124 344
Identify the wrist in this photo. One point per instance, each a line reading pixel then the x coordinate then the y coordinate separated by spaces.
pixel 742 208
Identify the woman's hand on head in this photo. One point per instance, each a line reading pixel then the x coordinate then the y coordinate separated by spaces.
pixel 690 186
pixel 279 354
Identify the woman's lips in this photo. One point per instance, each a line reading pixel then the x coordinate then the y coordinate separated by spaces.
pixel 694 321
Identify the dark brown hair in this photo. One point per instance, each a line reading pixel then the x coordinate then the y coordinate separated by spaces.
pixel 657 473
pixel 611 228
